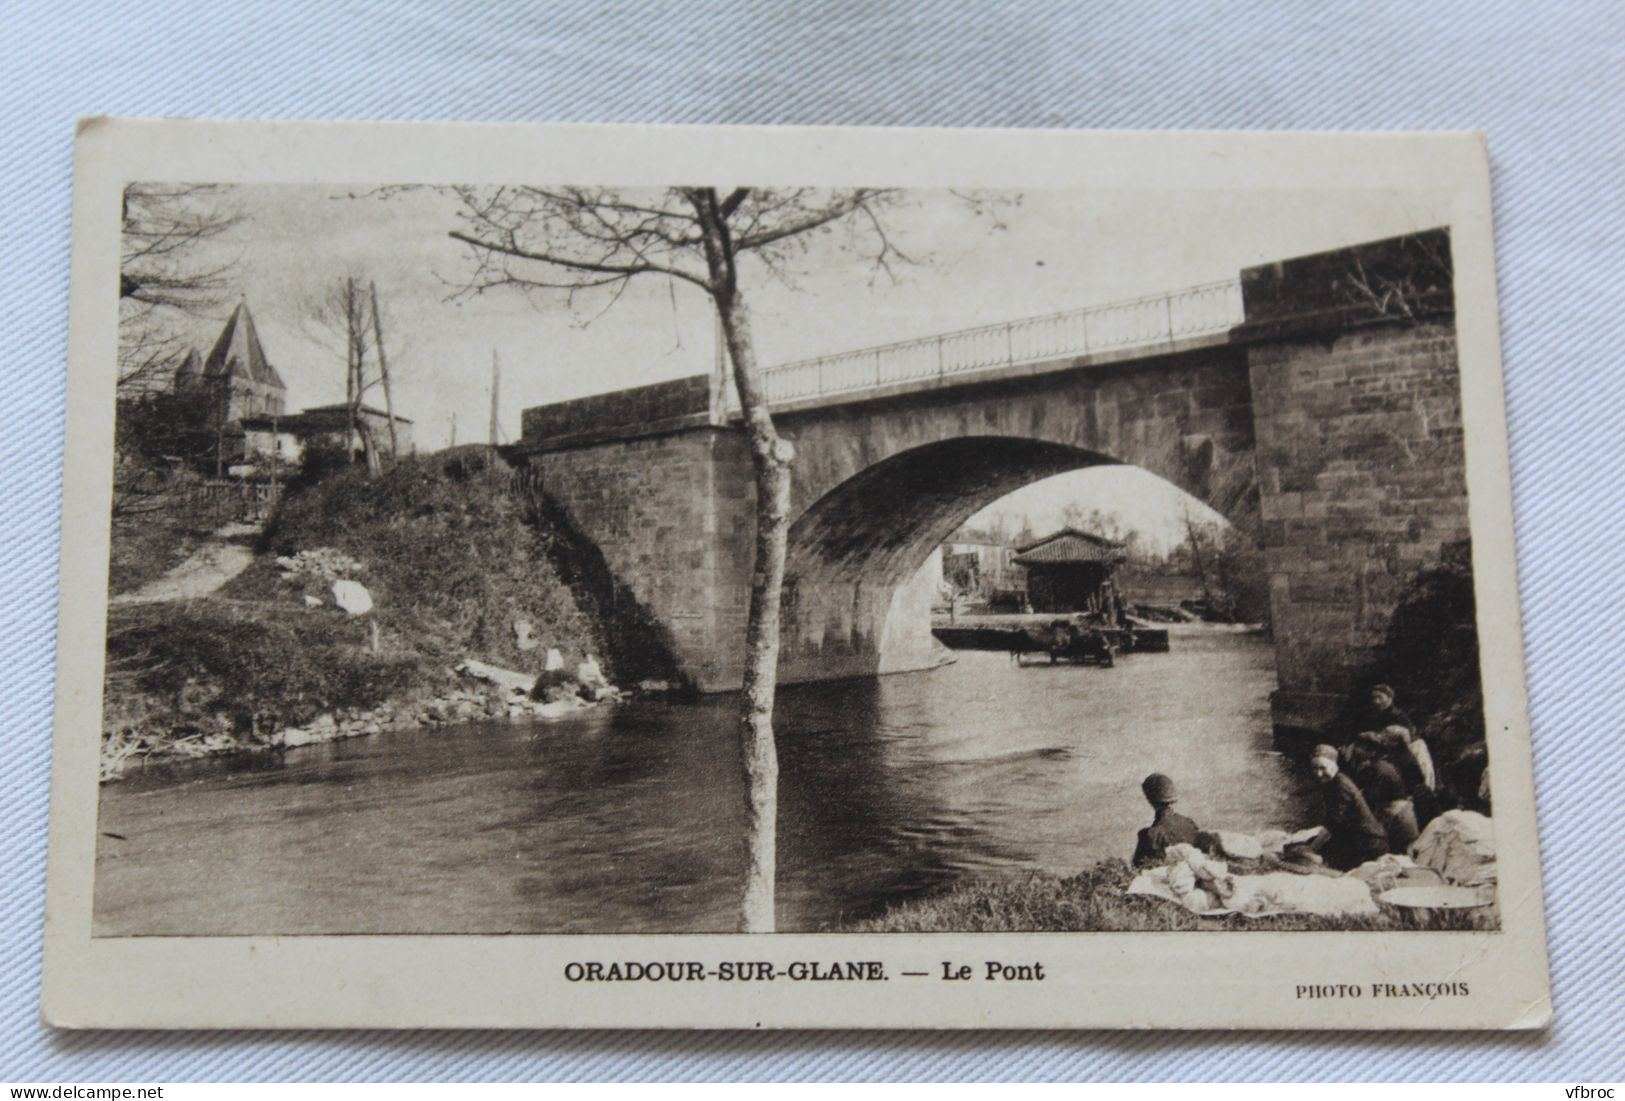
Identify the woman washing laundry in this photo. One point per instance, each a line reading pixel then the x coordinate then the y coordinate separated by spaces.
pixel 1385 792
pixel 1348 834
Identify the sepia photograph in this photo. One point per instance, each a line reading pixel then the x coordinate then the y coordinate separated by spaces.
pixel 534 557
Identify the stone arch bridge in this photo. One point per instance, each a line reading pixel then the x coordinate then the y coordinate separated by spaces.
pixel 1320 415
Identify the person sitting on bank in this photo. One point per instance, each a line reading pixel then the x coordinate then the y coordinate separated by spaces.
pixel 1167 827
pixel 1349 833
pixel 1385 792
pixel 1410 754
pixel 1380 712
pixel 1407 751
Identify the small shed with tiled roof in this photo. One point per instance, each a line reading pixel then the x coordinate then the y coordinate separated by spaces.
pixel 1070 571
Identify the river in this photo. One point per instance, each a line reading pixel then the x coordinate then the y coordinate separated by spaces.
pixel 628 819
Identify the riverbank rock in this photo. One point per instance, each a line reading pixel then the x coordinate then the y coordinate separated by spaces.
pixel 594 685
pixel 509 696
pixel 555 685
pixel 523 640
pixel 324 563
pixel 508 680
pixel 352 596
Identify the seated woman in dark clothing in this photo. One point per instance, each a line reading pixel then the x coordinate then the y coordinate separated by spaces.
pixel 1380 712
pixel 1167 828
pixel 1407 751
pixel 1385 791
pixel 1349 834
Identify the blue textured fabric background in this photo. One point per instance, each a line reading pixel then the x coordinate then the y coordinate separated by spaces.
pixel 1544 81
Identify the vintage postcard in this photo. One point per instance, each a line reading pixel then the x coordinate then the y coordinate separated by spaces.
pixel 578 576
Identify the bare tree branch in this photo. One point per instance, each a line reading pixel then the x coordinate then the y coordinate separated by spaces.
pixel 576 264
pixel 570 241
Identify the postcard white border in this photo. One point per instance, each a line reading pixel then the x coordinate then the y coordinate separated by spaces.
pixel 1184 980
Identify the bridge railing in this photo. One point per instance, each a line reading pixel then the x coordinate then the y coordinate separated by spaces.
pixel 1156 319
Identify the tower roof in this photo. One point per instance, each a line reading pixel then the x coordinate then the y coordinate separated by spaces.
pixel 190 369
pixel 238 352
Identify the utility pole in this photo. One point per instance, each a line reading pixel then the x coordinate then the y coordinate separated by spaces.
pixel 496 390
pixel 383 371
pixel 352 372
pixel 276 453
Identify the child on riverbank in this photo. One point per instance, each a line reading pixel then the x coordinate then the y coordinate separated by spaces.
pixel 1167 827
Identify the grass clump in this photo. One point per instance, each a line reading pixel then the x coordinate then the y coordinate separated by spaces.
pixel 453 555
pixel 1095 900
pixel 155 532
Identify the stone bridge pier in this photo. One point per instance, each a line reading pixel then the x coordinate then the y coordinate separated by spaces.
pixel 1324 422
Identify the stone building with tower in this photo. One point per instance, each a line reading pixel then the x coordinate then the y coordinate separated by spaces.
pixel 237 369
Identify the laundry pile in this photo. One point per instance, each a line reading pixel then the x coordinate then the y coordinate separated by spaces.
pixel 1206 886
pixel 1457 850
pixel 1460 846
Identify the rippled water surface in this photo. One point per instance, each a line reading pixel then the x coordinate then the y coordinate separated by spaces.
pixel 628 819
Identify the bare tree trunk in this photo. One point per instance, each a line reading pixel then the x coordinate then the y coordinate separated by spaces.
pixel 1198 559
pixel 383 371
pixel 369 447
pixel 352 371
pixel 356 323
pixel 771 457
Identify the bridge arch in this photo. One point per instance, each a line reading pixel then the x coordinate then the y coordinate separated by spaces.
pixel 855 600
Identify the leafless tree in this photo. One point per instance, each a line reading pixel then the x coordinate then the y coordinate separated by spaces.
pixel 348 314
pixel 1405 290
pixel 571 241
pixel 1202 540
pixel 167 272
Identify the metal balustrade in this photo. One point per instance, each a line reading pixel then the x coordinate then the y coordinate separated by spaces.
pixel 1157 319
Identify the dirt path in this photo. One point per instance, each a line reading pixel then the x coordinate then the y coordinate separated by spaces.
pixel 227 554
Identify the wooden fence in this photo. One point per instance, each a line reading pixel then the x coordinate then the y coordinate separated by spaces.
pixel 237 499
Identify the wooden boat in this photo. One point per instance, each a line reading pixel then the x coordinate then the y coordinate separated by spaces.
pixel 1026 642
pixel 1077 644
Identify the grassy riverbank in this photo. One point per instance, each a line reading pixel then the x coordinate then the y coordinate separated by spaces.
pixel 1094 901
pixel 459 563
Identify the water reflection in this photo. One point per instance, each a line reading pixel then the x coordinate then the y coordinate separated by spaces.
pixel 630 819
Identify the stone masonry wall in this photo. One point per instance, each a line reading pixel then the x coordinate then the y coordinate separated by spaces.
pixel 671 515
pixel 638 409
pixel 1362 481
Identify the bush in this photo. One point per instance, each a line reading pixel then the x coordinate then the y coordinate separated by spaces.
pixel 453 552
pixel 1430 653
pixel 453 557
pixel 208 658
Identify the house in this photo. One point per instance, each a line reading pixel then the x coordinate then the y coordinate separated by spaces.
pixel 324 428
pixel 977 565
pixel 237 369
pixel 1071 571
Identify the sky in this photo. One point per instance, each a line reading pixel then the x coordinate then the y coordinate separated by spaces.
pixel 1041 252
